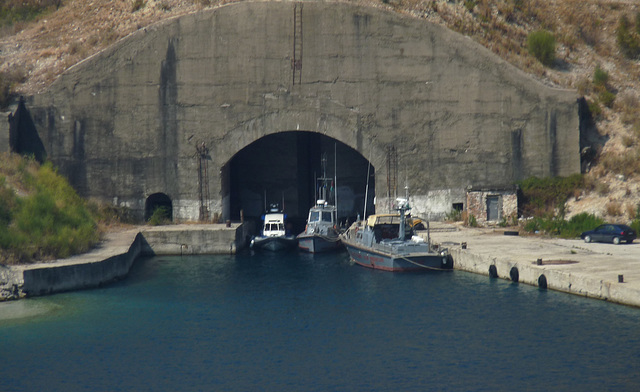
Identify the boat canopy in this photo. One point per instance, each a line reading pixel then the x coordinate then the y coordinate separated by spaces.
pixel 383 219
pixel 386 219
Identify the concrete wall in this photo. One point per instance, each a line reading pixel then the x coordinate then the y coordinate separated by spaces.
pixel 113 261
pixel 4 129
pixel 124 124
pixel 191 242
pixel 532 274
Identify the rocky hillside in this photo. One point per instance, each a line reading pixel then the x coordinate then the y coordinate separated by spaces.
pixel 588 58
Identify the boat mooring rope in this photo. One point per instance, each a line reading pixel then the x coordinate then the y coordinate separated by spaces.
pixel 426 266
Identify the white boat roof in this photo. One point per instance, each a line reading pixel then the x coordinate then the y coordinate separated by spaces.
pixel 274 218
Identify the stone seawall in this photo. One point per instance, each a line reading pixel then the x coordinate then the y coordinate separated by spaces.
pixel 568 281
pixel 113 258
pixel 595 270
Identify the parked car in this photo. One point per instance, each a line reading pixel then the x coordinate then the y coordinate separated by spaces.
pixel 610 233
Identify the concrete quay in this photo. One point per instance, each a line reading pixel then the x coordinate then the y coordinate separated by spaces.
pixel 597 270
pixel 572 266
pixel 113 258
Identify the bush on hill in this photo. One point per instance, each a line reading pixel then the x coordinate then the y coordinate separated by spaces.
pixel 546 196
pixel 47 221
pixel 542 46
pixel 558 226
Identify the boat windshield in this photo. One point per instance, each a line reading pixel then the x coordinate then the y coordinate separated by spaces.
pixel 314 216
pixel 326 216
pixel 273 226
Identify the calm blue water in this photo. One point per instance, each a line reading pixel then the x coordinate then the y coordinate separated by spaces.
pixel 314 323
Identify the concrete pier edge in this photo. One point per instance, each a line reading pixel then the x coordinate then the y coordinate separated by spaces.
pixel 593 273
pixel 596 270
pixel 112 258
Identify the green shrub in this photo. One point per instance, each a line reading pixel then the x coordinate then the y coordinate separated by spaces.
pixel 160 216
pixel 627 40
pixel 542 196
pixel 607 98
pixel 16 11
pixel 556 226
pixel 579 223
pixel 595 109
pixel 52 221
pixel 454 216
pixel 600 78
pixel 470 5
pixel 137 5
pixel 473 222
pixel 542 45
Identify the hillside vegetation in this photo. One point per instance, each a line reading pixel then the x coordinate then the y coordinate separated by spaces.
pixel 41 216
pixel 590 46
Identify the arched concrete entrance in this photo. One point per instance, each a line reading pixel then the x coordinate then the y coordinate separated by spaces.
pixel 158 201
pixel 282 168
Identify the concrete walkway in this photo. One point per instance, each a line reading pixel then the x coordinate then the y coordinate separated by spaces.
pixel 113 258
pixel 572 266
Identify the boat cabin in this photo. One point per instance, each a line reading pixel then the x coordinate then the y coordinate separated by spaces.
pixel 273 225
pixel 322 213
pixel 387 226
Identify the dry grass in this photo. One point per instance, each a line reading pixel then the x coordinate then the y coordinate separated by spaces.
pixel 613 208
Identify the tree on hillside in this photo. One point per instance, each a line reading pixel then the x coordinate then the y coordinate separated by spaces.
pixel 542 45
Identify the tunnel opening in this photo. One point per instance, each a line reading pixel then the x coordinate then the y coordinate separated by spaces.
pixel 282 168
pixel 158 206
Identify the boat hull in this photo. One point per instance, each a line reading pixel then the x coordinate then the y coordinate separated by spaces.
pixel 318 244
pixel 274 243
pixel 398 263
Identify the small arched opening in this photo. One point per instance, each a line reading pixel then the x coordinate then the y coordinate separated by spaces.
pixel 159 204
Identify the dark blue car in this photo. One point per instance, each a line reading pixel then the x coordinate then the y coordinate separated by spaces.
pixel 610 233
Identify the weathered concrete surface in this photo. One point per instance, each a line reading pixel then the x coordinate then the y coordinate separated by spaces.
pixel 113 258
pixel 124 124
pixel 593 272
pixel 193 239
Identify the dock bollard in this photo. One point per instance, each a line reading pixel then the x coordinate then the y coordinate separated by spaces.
pixel 464 245
pixel 620 279
pixel 228 223
pixel 539 262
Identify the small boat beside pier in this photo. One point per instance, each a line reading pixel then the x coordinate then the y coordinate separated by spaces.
pixel 274 236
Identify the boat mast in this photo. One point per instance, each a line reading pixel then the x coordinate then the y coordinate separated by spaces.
pixel 335 179
pixel 366 191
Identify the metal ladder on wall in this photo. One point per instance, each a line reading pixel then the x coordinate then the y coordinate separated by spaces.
pixel 392 175
pixel 202 154
pixel 296 61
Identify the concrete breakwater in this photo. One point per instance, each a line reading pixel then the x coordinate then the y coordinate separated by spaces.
pixel 602 271
pixel 113 258
pixel 596 270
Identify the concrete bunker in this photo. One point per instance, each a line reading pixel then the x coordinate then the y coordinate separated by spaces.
pixel 370 78
pixel 282 168
pixel 158 203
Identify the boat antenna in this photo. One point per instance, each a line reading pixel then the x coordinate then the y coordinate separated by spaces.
pixel 335 178
pixel 366 191
pixel 265 200
pixel 323 194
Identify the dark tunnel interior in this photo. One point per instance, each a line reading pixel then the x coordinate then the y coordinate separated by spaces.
pixel 282 168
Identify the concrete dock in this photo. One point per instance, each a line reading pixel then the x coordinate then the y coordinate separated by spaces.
pixel 597 270
pixel 603 271
pixel 113 257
